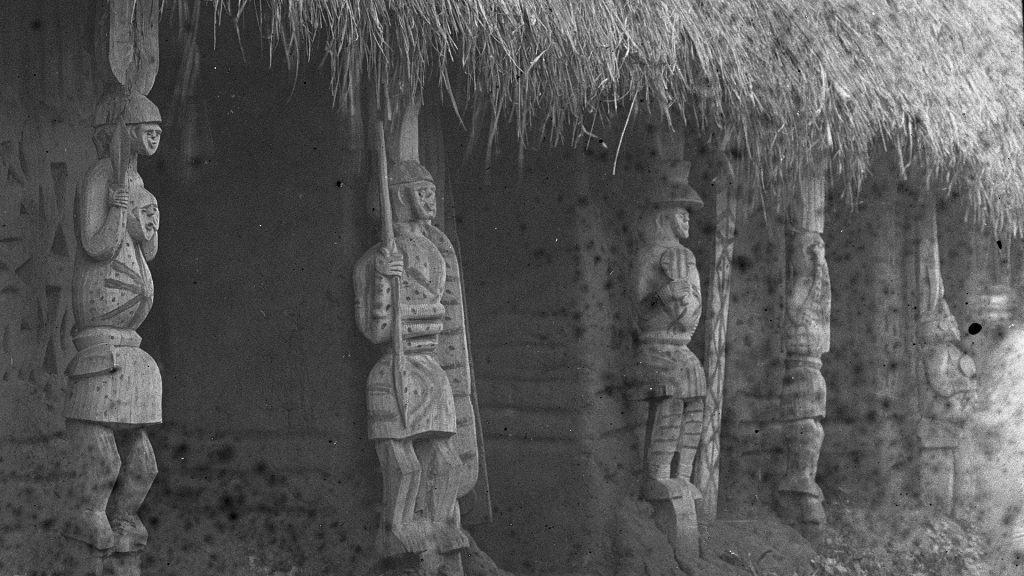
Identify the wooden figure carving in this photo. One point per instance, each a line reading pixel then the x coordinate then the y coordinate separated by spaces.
pixel 806 337
pixel 948 394
pixel 418 393
pixel 114 386
pixel 668 376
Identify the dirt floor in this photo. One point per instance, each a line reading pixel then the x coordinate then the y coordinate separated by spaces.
pixel 896 541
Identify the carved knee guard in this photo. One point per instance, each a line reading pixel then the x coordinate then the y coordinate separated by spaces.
pixel 95 458
pixel 138 470
pixel 440 492
pixel 401 474
pixel 689 439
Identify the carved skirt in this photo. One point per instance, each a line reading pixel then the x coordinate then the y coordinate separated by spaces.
pixel 667 370
pixel 425 406
pixel 128 392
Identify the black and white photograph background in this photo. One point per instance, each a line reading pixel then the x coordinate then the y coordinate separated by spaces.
pixel 691 287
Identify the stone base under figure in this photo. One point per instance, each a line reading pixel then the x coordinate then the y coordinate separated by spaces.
pixel 114 470
pixel 421 512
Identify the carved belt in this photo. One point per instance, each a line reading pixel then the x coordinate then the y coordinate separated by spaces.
pixel 420 326
pixel 88 337
pixel 97 350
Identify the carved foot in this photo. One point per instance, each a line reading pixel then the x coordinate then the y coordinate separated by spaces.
pixel 406 538
pixel 442 564
pixel 90 527
pixel 448 537
pixel 129 533
pixel 802 511
pixel 81 559
pixel 665 488
pixel 675 514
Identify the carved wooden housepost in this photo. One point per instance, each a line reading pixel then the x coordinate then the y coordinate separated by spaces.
pixel 948 386
pixel 668 376
pixel 420 395
pixel 716 336
pixel 806 338
pixel 114 388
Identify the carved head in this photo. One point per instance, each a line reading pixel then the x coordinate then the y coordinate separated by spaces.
pixel 669 204
pixel 807 253
pixel 145 138
pixel 129 110
pixel 143 216
pixel 664 222
pixel 413 194
pixel 939 325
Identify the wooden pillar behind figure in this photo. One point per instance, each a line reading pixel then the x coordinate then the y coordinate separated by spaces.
pixel 806 335
pixel 948 385
pixel 715 340
pixel 475 504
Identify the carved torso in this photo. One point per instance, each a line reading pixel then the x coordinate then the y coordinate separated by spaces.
pixel 809 300
pixel 423 404
pixel 112 380
pixel 113 286
pixel 667 298
pixel 667 290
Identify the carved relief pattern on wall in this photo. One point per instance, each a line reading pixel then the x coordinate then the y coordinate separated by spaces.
pixel 36 262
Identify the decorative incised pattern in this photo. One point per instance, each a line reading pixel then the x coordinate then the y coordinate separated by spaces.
pixel 36 262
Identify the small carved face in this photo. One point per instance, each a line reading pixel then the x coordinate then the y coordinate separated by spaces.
pixel 144 217
pixel 146 138
pixel 681 223
pixel 422 199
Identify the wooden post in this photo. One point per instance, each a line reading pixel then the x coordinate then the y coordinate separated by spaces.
pixel 948 387
pixel 716 330
pixel 806 337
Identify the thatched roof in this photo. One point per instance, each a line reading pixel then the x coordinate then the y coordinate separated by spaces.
pixel 939 81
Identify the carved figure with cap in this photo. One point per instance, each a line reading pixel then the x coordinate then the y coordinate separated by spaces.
pixel 667 375
pixel 114 390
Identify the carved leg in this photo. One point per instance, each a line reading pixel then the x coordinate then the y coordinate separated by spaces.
pixel 672 496
pixel 401 474
pixel 138 471
pixel 664 423
pixel 938 477
pixel 800 498
pixel 689 440
pixel 96 462
pixel 440 490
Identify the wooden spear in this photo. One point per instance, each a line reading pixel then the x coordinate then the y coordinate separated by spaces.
pixel 388 239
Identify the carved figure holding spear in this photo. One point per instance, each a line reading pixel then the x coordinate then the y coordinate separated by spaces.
pixel 399 285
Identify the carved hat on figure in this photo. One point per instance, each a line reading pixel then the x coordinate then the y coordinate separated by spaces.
pixel 120 107
pixel 673 189
pixel 407 172
pixel 399 173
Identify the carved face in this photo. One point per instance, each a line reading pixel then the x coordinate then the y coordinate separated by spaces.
pixel 146 138
pixel 144 217
pixel 422 200
pixel 807 254
pixel 680 223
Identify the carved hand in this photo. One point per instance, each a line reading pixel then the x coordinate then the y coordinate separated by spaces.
pixel 389 263
pixel 117 197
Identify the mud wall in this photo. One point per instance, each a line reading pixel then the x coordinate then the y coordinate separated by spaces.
pixel 46 102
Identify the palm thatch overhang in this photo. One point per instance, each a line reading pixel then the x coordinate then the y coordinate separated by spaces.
pixel 798 82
